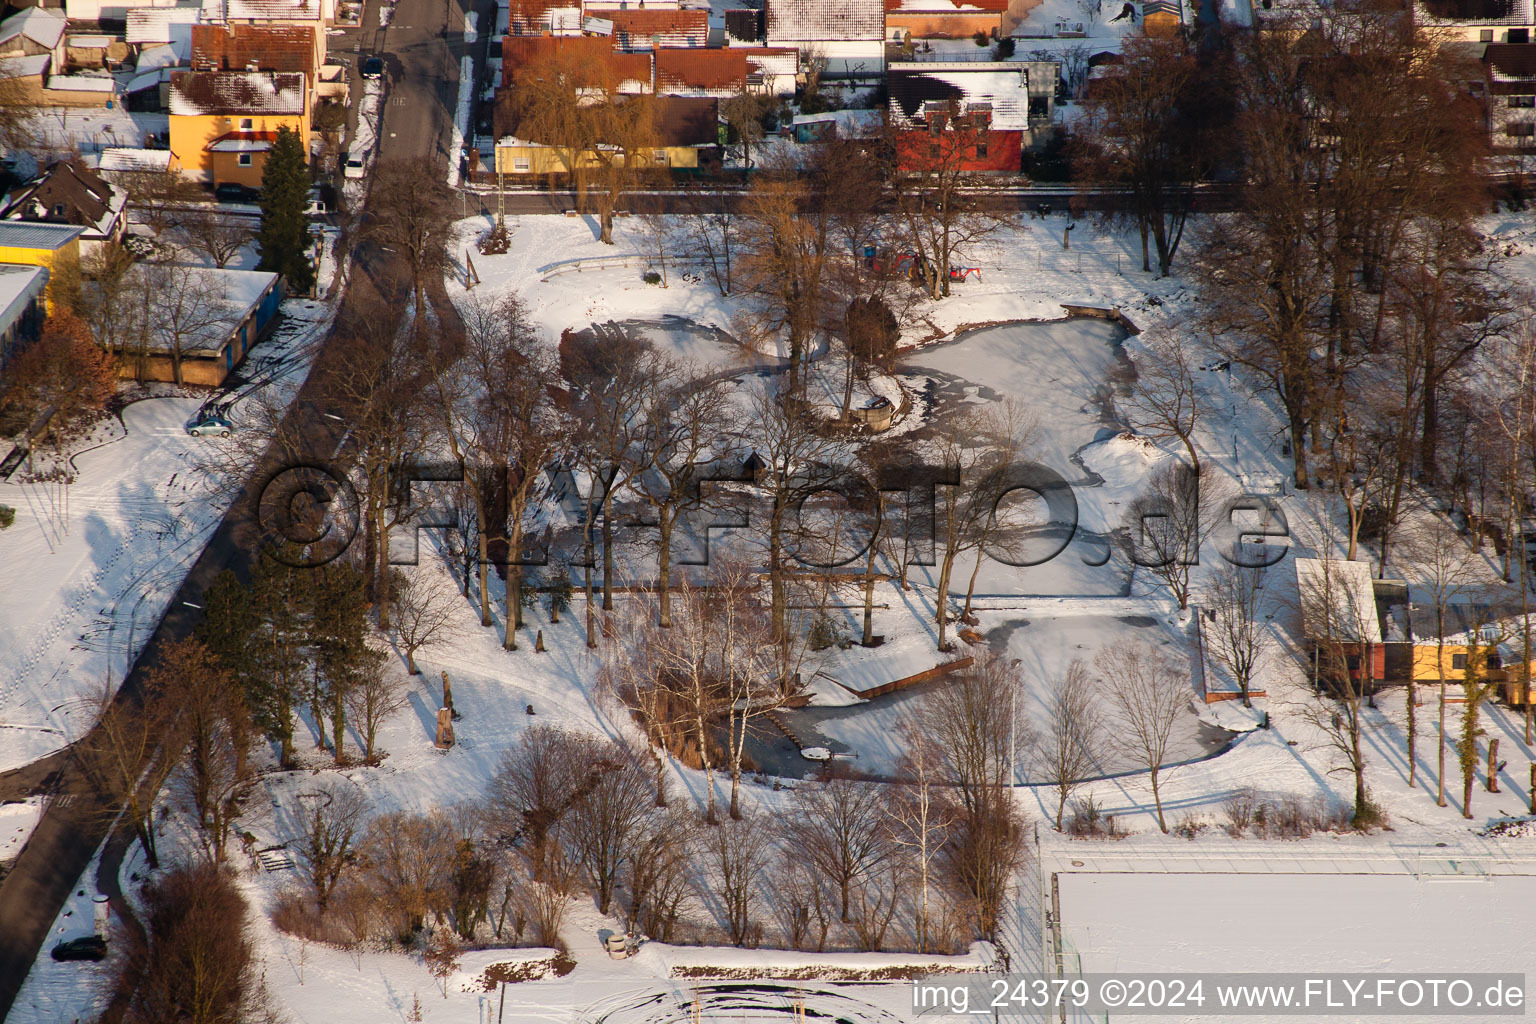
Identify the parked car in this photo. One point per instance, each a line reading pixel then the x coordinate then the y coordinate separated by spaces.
pixel 210 424
pixel 373 67
pixel 91 947
pixel 354 165
pixel 229 192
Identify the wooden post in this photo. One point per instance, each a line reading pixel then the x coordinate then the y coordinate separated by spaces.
pixel 444 728
pixel 447 693
pixel 1493 766
pixel 538 642
pixel 1533 787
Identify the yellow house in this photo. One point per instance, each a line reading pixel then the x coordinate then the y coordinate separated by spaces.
pixel 223 123
pixel 1473 634
pixel 687 136
pixel 55 247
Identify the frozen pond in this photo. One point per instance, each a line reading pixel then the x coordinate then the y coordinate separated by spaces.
pixel 870 733
pixel 1061 373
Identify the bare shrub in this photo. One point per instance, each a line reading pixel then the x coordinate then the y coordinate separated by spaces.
pixel 734 851
pixel 328 832
pixel 194 960
pixel 1238 808
pixel 1090 822
pixel 658 874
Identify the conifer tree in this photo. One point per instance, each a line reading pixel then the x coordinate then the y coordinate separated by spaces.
pixel 283 239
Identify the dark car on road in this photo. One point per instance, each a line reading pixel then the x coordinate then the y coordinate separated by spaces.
pixel 373 67
pixel 91 947
pixel 229 192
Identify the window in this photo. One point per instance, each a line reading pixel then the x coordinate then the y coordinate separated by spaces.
pixel 1520 131
pixel 246 124
pixel 521 165
pixel 659 157
pixel 1485 35
pixel 1458 661
pixel 981 148
pixel 1522 101
pixel 244 159
pixel 1519 35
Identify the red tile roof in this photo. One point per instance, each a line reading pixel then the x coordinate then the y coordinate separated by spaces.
pixel 636 28
pixel 529 17
pixel 702 70
pixel 956 7
pixel 521 51
pixel 269 47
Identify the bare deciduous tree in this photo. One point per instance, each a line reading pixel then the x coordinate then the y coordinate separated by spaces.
pixel 734 850
pixel 425 614
pixel 374 695
pixel 218 237
pixel 330 825
pixel 839 826
pixel 1171 520
pixel 610 813
pixel 923 818
pixel 1067 748
pixel 1238 637
pixel 974 721
pixel 1149 695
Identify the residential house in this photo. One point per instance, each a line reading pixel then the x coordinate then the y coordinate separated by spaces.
pixel 118 163
pixel 28 76
pixel 770 71
pixel 22 309
pixel 632 72
pixel 645 28
pixel 96 88
pixel 846 37
pixel 223 123
pixel 688 142
pixel 991 110
pixel 532 17
pixel 35 32
pixel 55 247
pixel 246 301
pixel 1509 91
pixel 953 19
pixel 69 193
pixel 1340 621
pixel 1477 21
pixel 149 27
pixel 94 50
pixel 313 14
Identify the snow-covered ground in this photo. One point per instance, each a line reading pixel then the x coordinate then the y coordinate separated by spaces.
pixel 89 568
pixel 1058 368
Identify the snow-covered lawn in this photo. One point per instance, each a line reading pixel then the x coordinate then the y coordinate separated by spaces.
pixel 89 569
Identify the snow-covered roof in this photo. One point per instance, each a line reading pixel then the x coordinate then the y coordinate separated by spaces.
pixel 24 67
pixel 153 24
pixel 19 285
pixel 82 83
pixel 196 93
pixel 90 42
pixel 1338 600
pixel 1001 85
pixel 42 25
pixel 825 20
pixel 274 10
pixel 15 234
pixel 235 294
pixel 123 159
pixel 167 55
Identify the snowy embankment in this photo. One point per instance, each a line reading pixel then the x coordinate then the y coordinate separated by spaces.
pixel 461 116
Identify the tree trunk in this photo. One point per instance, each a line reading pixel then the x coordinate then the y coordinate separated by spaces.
pixel 1413 730
pixel 664 568
pixel 1157 799
pixel 941 599
pixel 485 585
pixel 608 547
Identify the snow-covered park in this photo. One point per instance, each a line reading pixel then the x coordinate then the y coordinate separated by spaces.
pixel 135 520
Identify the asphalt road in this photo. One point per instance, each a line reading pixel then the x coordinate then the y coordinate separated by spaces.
pixel 422 47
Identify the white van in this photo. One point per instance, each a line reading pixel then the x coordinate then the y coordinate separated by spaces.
pixel 354 165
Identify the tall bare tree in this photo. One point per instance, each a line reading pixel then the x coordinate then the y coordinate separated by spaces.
pixel 1149 695
pixel 839 826
pixel 1239 637
pixel 1068 746
pixel 410 210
